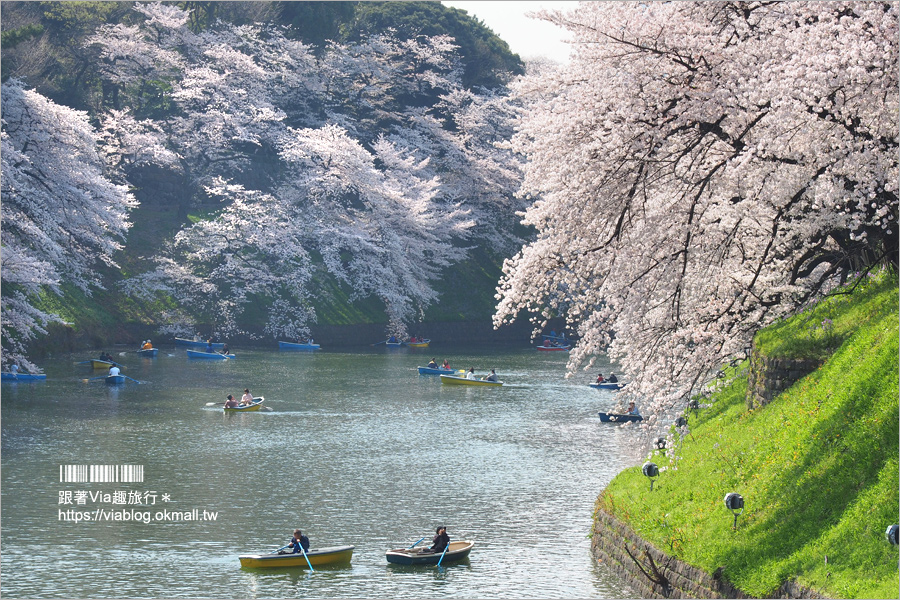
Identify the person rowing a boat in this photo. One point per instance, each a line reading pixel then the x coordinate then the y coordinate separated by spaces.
pixel 114 370
pixel 612 378
pixel 600 378
pixel 632 410
pixel 247 398
pixel 299 540
pixel 440 540
pixel 445 364
pixel 209 346
pixel 492 376
pixel 147 346
pixel 230 402
pixel 433 364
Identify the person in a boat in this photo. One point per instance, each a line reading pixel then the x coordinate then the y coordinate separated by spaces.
pixel 471 373
pixel 147 346
pixel 209 346
pixel 14 369
pixel 299 540
pixel 247 398
pixel 392 339
pixel 612 378
pixel 492 376
pixel 445 364
pixel 105 356
pixel 440 540
pixel 230 402
pixel 224 348
pixel 600 378
pixel 632 409
pixel 114 370
pixel 432 364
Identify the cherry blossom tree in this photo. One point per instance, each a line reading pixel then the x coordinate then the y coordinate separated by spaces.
pixel 62 215
pixel 699 170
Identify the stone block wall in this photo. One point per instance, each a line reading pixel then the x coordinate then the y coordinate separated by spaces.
pixel 654 574
pixel 771 376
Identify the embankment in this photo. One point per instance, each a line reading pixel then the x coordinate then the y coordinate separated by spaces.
pixel 816 462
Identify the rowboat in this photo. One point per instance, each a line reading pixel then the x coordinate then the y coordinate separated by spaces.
pixel 115 379
pixel 208 355
pixel 606 385
pixel 393 344
pixel 257 402
pixel 320 557
pixel 614 418
pixel 22 377
pixel 295 346
pixel 419 344
pixel 458 380
pixel 424 556
pixel 554 348
pixel 100 364
pixel 197 343
pixel 148 352
pixel 437 371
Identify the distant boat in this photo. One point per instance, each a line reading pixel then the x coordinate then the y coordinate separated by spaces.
pixel 419 344
pixel 297 346
pixel 423 556
pixel 208 355
pixel 318 557
pixel 438 371
pixel 607 385
pixel 393 344
pixel 148 352
pixel 614 418
pixel 96 363
pixel 22 377
pixel 257 403
pixel 554 348
pixel 460 380
pixel 198 343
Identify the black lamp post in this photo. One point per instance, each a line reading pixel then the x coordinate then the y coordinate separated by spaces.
pixel 651 471
pixel 735 503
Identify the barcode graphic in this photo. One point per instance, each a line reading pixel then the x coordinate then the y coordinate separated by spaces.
pixel 101 473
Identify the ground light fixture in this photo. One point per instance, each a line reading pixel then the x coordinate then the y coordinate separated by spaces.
pixel 892 534
pixel 651 471
pixel 735 503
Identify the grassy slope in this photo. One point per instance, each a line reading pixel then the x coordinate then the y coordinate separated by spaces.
pixel 818 467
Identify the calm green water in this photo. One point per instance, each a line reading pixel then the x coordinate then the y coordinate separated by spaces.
pixel 356 448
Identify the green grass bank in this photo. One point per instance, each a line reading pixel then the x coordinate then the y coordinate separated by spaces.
pixel 817 467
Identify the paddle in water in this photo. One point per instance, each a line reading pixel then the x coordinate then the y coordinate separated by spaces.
pixel 442 554
pixel 303 550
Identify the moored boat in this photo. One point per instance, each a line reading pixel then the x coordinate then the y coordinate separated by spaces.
pixel 333 555
pixel 22 377
pixel 198 343
pixel 614 418
pixel 208 355
pixel 458 380
pixel 257 403
pixel 607 385
pixel 423 556
pixel 297 346
pixel 115 379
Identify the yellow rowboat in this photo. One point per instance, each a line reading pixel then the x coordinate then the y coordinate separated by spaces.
pixel 323 556
pixel 456 380
pixel 257 402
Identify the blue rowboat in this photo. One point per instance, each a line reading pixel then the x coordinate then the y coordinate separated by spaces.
pixel 197 343
pixel 115 379
pixel 22 377
pixel 614 418
pixel 437 371
pixel 296 346
pixel 208 355
pixel 148 352
pixel 424 556
pixel 606 385
pixel 257 402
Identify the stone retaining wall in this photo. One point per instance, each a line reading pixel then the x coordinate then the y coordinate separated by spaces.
pixel 654 574
pixel 771 376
